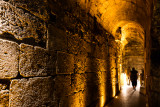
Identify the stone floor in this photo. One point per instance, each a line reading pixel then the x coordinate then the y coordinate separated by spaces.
pixel 128 98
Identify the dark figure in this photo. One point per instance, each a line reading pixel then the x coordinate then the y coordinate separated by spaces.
pixel 133 77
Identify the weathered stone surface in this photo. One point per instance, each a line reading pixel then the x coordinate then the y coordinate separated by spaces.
pixel 65 63
pixel 34 61
pixel 80 64
pixel 62 86
pixel 57 39
pixel 78 82
pixel 36 7
pixel 51 63
pixel 4 98
pixel 32 92
pixel 40 60
pixel 70 101
pixel 21 23
pixel 74 44
pixel 9 52
pixel 4 95
pixel 26 59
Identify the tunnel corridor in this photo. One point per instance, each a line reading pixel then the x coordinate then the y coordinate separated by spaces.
pixel 79 53
pixel 128 98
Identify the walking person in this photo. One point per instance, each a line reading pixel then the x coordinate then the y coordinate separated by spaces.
pixel 133 77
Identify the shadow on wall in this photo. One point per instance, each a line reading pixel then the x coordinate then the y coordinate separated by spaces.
pixel 98 79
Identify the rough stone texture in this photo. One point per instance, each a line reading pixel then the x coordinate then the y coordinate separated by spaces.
pixel 26 62
pixel 4 95
pixel 21 24
pixel 80 64
pixel 36 7
pixel 83 60
pixel 9 52
pixel 65 63
pixel 4 98
pixel 32 92
pixel 57 39
pixel 63 86
pixel 79 51
pixel 34 61
pixel 78 82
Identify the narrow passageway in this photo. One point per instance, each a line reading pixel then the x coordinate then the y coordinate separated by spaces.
pixel 128 98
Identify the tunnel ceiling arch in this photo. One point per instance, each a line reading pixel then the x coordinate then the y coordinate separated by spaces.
pixel 114 14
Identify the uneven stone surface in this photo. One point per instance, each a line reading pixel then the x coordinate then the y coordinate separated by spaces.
pixel 29 92
pixel 21 23
pixel 34 61
pixel 153 56
pixel 26 62
pixel 36 7
pixel 62 86
pixel 57 39
pixel 4 95
pixel 65 63
pixel 4 98
pixel 9 52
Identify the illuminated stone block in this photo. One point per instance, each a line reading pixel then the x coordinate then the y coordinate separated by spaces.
pixel 70 101
pixel 65 63
pixel 4 96
pixel 78 82
pixel 26 59
pixel 9 52
pixel 33 61
pixel 29 92
pixel 80 64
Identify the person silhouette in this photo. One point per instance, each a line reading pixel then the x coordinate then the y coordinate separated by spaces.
pixel 133 77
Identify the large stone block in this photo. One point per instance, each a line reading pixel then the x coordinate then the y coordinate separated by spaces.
pixel 57 39
pixel 21 23
pixel 36 7
pixel 78 82
pixel 4 98
pixel 9 52
pixel 70 101
pixel 34 61
pixel 65 63
pixel 62 86
pixel 4 93
pixel 26 59
pixel 32 92
pixel 80 64
pixel 74 44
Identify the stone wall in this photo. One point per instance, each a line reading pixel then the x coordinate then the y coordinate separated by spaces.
pixel 55 56
pixel 154 74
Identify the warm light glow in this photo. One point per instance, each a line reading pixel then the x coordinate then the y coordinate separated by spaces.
pixel 102 101
pixel 103 94
pixel 116 97
pixel 123 79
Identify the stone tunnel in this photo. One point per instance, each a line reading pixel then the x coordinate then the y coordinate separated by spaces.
pixel 71 53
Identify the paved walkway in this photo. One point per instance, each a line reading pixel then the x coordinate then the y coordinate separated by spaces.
pixel 128 98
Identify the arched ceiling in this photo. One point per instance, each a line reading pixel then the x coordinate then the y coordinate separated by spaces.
pixel 130 16
pixel 124 19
